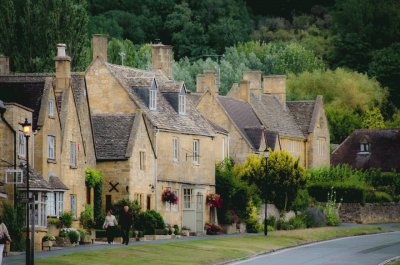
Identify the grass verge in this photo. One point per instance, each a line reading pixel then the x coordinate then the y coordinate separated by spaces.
pixel 206 251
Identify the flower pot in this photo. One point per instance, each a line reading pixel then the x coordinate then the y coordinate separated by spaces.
pixel 185 232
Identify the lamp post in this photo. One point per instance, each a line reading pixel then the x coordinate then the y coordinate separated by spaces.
pixel 26 128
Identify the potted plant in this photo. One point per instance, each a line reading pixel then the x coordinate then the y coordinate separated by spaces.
pixel 87 221
pixel 185 231
pixel 214 200
pixel 169 196
pixel 48 241
pixel 212 229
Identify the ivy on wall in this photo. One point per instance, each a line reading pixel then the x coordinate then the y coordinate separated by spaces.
pixel 94 179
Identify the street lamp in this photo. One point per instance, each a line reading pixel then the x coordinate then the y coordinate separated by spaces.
pixel 26 128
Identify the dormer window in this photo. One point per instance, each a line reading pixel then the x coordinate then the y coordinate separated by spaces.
pixel 51 108
pixel 153 99
pixel 364 147
pixel 182 104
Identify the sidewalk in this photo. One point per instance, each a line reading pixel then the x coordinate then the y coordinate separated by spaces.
pixel 20 259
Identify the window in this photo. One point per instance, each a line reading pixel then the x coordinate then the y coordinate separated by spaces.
pixel 153 100
pixel 196 151
pixel 51 108
pixel 182 104
pixel 139 198
pixel 175 149
pixel 321 146
pixel 21 144
pixel 223 149
pixel 73 205
pixel 142 157
pixel 55 203
pixel 72 154
pixel 51 144
pixel 364 147
pixel 172 206
pixel 188 198
pixel 40 209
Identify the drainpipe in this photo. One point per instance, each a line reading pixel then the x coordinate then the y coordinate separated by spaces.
pixel 33 149
pixel 2 111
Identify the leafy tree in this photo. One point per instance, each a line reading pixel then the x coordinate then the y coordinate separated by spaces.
pixel 342 122
pixel 373 119
pixel 394 122
pixel 7 27
pixel 104 25
pixel 278 178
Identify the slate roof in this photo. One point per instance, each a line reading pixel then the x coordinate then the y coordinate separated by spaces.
pixel 166 116
pixel 24 90
pixel 384 150
pixel 242 114
pixel 271 139
pixel 274 117
pixel 78 86
pixel 194 97
pixel 302 112
pixel 218 128
pixel 36 181
pixel 255 135
pixel 57 184
pixel 111 135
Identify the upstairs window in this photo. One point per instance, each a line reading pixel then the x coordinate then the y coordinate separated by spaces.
pixel 21 144
pixel 196 149
pixel 142 161
pixel 321 146
pixel 364 147
pixel 175 149
pixel 72 154
pixel 153 99
pixel 51 147
pixel 51 108
pixel 182 104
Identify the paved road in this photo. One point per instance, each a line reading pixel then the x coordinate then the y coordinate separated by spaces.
pixel 365 250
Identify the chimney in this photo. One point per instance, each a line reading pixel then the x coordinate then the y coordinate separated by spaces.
pixel 244 90
pixel 63 69
pixel 4 65
pixel 99 46
pixel 276 85
pixel 254 77
pixel 200 86
pixel 161 57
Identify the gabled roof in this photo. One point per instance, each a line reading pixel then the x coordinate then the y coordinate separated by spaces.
pixel 57 184
pixel 384 150
pixel 36 181
pixel 218 128
pixel 243 116
pixel 274 116
pixel 165 117
pixel 194 97
pixel 271 138
pixel 302 112
pixel 111 134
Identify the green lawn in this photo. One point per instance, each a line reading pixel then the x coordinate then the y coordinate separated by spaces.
pixel 397 262
pixel 205 251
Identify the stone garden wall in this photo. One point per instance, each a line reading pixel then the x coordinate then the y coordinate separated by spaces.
pixel 369 213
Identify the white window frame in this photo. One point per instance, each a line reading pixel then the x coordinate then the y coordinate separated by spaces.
pixel 51 147
pixel 72 154
pixel 51 204
pixel 21 144
pixel 73 203
pixel 188 202
pixel 59 199
pixel 51 108
pixel 196 151
pixel 182 104
pixel 364 147
pixel 153 99
pixel 40 209
pixel 175 149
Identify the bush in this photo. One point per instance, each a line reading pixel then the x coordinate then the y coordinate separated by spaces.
pixel 388 182
pixel 73 236
pixel 48 237
pixel 212 229
pixel 99 220
pixel 14 218
pixel 271 221
pixel 161 231
pixel 378 197
pixel 176 230
pixel 82 233
pixel 252 226
pixel 53 221
pixel 86 218
pixel 283 225
pixel 301 201
pixel 297 222
pixel 314 217
pixel 148 221
pixel 66 219
pixel 344 192
pixel 331 211
pixel 134 208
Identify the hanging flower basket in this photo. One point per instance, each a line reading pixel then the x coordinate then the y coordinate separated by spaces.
pixel 169 196
pixel 214 200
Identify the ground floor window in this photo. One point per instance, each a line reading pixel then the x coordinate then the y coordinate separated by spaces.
pixel 40 209
pixel 73 205
pixel 55 203
pixel 188 198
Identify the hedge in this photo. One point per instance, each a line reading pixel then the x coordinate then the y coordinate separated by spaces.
pixel 344 192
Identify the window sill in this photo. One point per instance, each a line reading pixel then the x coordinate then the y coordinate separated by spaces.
pixel 52 117
pixel 51 160
pixel 73 167
pixel 196 164
pixel 21 157
pixel 363 153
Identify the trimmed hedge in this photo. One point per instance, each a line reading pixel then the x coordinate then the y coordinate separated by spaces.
pixel 344 192
pixel 378 197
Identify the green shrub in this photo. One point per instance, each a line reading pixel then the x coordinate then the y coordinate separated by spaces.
pixel 378 197
pixel 301 201
pixel 271 221
pixel 270 228
pixel 53 221
pixel 388 182
pixel 281 224
pixel 161 231
pixel 331 211
pixel 297 222
pixel 14 218
pixel 176 230
pixel 73 236
pixel 148 221
pixel 344 192
pixel 134 208
pixel 314 217
pixel 86 218
pixel 82 233
pixel 252 226
pixel 99 220
pixel 66 219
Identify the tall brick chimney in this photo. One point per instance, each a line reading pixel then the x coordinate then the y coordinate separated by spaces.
pixel 254 77
pixel 207 81
pixel 99 46
pixel 63 68
pixel 276 85
pixel 161 58
pixel 244 90
pixel 4 65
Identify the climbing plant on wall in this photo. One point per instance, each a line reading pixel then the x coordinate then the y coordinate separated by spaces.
pixel 94 179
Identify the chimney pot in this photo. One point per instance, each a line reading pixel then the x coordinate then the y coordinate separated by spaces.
pixel 4 65
pixel 61 50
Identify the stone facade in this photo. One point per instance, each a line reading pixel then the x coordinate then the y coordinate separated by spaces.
pixel 369 213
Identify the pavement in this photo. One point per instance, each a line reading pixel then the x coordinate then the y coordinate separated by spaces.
pixel 370 243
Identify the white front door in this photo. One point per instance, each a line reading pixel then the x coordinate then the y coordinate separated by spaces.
pixel 193 209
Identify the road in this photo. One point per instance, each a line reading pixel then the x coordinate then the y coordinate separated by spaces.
pixel 365 250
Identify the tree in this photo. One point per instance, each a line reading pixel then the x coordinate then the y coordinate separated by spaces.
pixel 278 178
pixel 373 119
pixel 7 27
pixel 342 122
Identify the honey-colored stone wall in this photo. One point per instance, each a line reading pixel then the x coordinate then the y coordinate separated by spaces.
pixel 296 147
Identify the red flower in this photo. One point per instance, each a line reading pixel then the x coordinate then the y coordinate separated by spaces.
pixel 214 200
pixel 169 196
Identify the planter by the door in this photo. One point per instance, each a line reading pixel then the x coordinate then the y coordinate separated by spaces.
pixel 87 239
pixel 47 244
pixel 185 232
pixel 63 242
